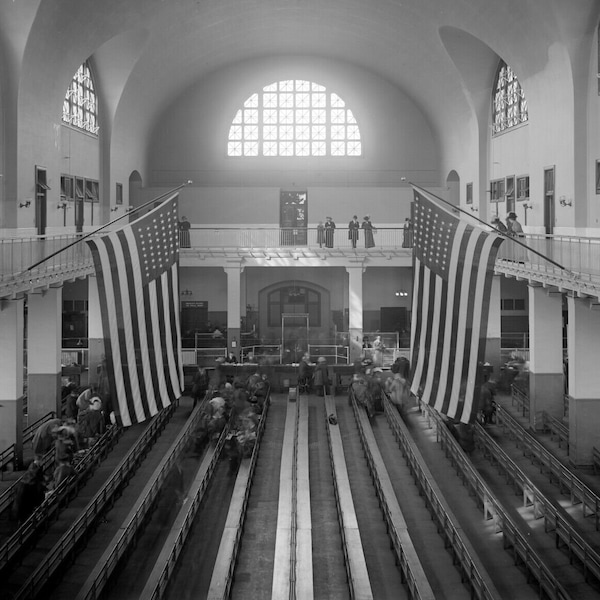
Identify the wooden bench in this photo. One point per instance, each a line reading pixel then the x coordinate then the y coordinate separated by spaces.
pixel 356 564
pixel 557 429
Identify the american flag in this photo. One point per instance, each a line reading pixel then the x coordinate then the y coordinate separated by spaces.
pixel 453 269
pixel 137 271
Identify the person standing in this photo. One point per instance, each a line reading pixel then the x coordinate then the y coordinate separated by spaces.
pixel 353 228
pixel 320 234
pixel 329 231
pixel 305 372
pixel 321 377
pixel 499 225
pixel 377 354
pixel 513 226
pixel 515 230
pixel 369 229
pixel 407 241
pixel 184 233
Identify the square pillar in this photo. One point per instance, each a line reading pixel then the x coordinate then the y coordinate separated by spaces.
pixel 11 373
pixel 494 329
pixel 546 377
pixel 44 345
pixel 234 309
pixel 583 338
pixel 355 311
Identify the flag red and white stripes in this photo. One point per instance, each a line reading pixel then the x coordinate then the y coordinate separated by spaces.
pixel 453 270
pixel 137 271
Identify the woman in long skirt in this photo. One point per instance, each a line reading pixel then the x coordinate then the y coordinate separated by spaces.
pixel 329 231
pixel 369 229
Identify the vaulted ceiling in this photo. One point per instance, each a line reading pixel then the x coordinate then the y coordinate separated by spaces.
pixel 153 49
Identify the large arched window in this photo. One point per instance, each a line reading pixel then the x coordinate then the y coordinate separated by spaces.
pixel 294 118
pixel 80 108
pixel 509 103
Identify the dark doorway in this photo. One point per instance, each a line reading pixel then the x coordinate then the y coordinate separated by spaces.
pixel 41 200
pixel 293 218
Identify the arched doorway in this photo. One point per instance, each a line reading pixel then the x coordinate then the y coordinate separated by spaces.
pixel 453 186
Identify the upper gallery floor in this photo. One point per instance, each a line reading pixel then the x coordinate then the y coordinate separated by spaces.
pixel 562 263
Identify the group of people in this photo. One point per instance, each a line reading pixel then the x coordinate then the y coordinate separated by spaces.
pixel 369 386
pixel 239 403
pixel 512 228
pixel 374 350
pixel 325 232
pixel 82 423
pixel 314 376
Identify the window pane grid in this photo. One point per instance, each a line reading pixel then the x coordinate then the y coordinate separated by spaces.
pixel 80 107
pixel 509 104
pixel 296 118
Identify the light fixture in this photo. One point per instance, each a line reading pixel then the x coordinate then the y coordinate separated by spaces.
pixel 527 206
pixel 186 292
pixel 401 293
pixel 114 209
pixel 24 204
pixel 565 202
pixel 474 209
pixel 62 204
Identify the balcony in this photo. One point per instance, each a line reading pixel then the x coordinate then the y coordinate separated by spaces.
pixel 575 267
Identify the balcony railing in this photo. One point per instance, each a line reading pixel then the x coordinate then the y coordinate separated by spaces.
pixel 17 255
pixel 578 255
pixel 294 237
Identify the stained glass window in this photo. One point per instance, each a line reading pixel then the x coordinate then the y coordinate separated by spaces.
pixel 294 118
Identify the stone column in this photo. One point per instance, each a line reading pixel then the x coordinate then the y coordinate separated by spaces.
pixel 583 339
pixel 44 344
pixel 546 378
pixel 234 314
pixel 95 331
pixel 355 311
pixel 494 329
pixel 11 373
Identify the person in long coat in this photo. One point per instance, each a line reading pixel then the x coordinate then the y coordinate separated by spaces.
pixel 44 437
pixel 321 377
pixel 320 234
pixel 30 493
pixel 368 227
pixel 353 228
pixel 329 231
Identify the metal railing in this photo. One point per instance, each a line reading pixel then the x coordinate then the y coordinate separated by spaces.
pixel 514 539
pixel 471 569
pixel 96 507
pixel 292 237
pixel 18 254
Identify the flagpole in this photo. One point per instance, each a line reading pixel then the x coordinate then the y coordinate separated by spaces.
pixel 502 233
pixel 127 214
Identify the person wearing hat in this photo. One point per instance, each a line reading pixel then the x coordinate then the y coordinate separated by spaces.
pixel 320 234
pixel 515 230
pixel 353 228
pixel 369 230
pixel 513 226
pixel 329 231
pixel 498 224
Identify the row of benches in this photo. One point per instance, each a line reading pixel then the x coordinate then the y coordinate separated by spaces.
pixel 514 537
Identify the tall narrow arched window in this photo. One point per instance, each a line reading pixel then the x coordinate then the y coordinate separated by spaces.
pixel 294 118
pixel 80 108
pixel 509 104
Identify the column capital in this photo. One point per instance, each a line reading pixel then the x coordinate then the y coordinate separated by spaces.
pixel 354 268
